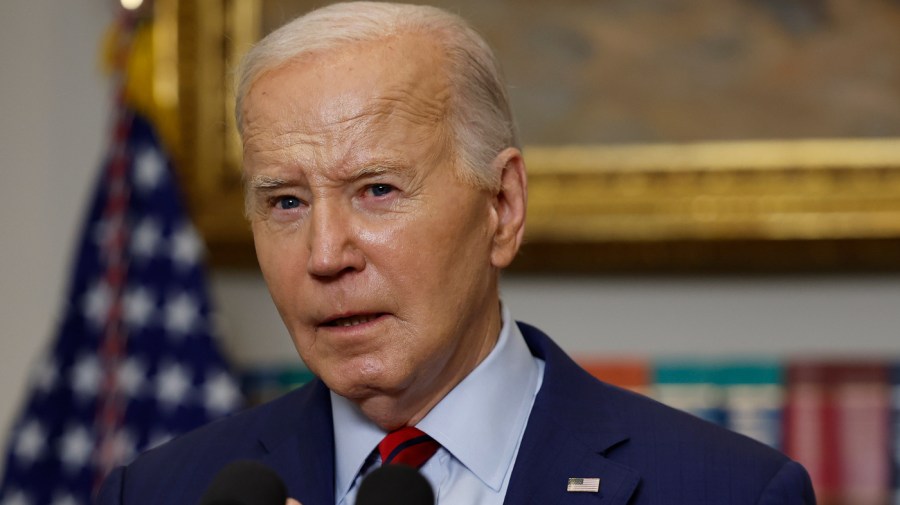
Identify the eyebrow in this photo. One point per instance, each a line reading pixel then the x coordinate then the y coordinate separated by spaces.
pixel 379 167
pixel 266 182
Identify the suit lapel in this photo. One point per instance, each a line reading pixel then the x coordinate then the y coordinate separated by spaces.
pixel 550 456
pixel 299 442
pixel 570 430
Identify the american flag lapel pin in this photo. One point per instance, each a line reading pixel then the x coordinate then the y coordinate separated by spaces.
pixel 583 485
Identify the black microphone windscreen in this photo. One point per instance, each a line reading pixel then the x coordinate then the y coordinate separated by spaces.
pixel 245 482
pixel 395 485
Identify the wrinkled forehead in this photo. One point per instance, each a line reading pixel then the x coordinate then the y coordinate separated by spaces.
pixel 400 76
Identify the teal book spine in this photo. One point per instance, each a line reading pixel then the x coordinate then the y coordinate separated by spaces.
pixel 753 398
pixel 690 386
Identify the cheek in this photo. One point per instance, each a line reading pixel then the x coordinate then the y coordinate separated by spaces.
pixel 280 270
pixel 438 264
pixel 268 261
pixel 461 242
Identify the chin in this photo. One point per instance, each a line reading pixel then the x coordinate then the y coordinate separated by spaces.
pixel 347 386
pixel 355 382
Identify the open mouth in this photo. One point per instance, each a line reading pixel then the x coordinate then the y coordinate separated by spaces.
pixel 351 320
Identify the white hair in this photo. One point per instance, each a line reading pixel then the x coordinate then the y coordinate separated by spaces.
pixel 479 116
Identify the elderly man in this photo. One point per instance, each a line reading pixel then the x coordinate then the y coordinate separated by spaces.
pixel 386 193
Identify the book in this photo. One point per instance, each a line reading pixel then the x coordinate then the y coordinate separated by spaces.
pixel 753 396
pixel 895 433
pixel 690 386
pixel 628 373
pixel 837 426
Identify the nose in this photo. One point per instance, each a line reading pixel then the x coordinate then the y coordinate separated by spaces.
pixel 332 241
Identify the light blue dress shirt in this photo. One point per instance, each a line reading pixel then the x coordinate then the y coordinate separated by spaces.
pixel 479 425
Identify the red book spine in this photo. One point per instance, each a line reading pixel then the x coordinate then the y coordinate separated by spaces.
pixel 895 434
pixel 861 393
pixel 805 436
pixel 837 424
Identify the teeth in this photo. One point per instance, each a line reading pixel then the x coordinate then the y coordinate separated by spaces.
pixel 354 320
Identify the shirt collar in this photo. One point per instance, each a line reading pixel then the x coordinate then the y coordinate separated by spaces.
pixel 481 420
pixel 466 422
pixel 355 436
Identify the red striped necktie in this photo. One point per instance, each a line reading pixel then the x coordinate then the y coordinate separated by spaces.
pixel 407 446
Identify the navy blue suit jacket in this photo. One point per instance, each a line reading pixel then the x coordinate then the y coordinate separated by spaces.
pixel 643 452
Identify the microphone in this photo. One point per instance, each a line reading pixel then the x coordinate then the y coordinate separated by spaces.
pixel 395 485
pixel 245 482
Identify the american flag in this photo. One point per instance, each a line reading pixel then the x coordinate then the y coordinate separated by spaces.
pixel 583 485
pixel 134 362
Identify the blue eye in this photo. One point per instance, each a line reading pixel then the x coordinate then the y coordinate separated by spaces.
pixel 288 202
pixel 381 189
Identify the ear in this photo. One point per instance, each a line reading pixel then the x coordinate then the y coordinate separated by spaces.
pixel 509 204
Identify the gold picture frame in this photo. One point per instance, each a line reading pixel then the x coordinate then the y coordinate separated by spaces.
pixel 779 205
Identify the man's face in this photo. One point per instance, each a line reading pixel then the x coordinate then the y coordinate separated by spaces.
pixel 377 255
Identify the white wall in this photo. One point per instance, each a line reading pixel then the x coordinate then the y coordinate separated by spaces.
pixel 777 317
pixel 53 129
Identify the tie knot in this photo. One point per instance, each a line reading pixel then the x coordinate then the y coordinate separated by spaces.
pixel 408 446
